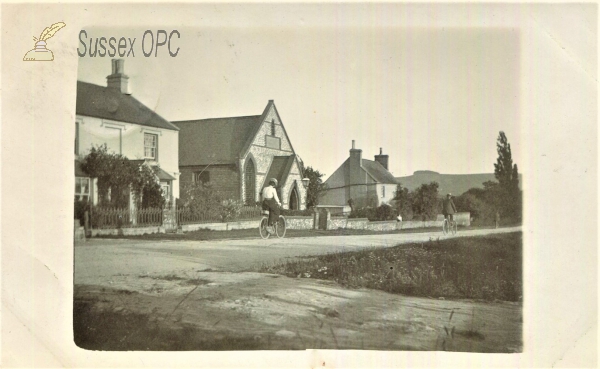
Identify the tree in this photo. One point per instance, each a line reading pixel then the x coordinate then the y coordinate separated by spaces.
pixel 118 177
pixel 507 195
pixel 425 201
pixel 316 187
pixel 402 201
pixel 506 173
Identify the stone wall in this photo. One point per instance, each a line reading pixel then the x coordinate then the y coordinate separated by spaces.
pixel 389 225
pixel 295 222
pixel 357 223
pixel 298 222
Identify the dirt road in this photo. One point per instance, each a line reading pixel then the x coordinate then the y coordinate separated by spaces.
pixel 209 285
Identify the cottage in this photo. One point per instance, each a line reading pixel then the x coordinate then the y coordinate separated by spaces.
pixel 110 115
pixel 237 156
pixel 366 182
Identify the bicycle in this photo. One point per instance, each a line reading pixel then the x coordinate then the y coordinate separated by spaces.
pixel 279 227
pixel 449 226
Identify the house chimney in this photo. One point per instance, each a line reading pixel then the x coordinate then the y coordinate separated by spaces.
pixel 355 165
pixel 118 80
pixel 382 159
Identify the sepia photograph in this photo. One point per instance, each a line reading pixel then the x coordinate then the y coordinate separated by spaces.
pixel 316 177
pixel 335 188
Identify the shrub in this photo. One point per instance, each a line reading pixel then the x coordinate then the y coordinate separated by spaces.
pixel 80 208
pixel 299 213
pixel 383 212
pixel 230 210
pixel 366 212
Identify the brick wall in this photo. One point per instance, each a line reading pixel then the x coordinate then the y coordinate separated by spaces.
pixel 225 179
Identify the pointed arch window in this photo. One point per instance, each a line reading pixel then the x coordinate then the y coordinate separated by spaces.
pixel 250 182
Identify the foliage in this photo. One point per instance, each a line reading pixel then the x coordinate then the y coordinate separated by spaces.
pixel 425 201
pixel 230 209
pixel 403 202
pixel 80 208
pixel 508 197
pixel 203 201
pixel 316 187
pixel 366 212
pixel 487 267
pixel 504 170
pixel 300 213
pixel 383 212
pixel 117 176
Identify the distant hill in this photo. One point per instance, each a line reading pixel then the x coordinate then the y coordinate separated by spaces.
pixel 456 184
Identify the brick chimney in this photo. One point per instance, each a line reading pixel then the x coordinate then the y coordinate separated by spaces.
pixel 382 159
pixel 118 80
pixel 355 165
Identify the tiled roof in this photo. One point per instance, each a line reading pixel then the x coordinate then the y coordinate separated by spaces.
pixel 161 174
pixel 214 141
pixel 378 172
pixel 107 103
pixel 280 169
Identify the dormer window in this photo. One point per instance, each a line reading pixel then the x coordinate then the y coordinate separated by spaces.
pixel 150 146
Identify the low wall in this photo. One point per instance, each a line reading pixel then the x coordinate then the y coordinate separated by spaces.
pixel 126 231
pixel 357 223
pixel 388 225
pixel 296 222
pixel 299 222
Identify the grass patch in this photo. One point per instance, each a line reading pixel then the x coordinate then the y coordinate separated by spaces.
pixel 487 267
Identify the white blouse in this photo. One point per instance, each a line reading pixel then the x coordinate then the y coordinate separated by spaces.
pixel 270 193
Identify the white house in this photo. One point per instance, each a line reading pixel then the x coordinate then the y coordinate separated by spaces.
pixel 111 115
pixel 366 182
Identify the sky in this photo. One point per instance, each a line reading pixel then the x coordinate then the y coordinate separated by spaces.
pixel 432 98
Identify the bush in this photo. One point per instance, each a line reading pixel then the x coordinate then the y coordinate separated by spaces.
pixel 383 212
pixel 367 212
pixel 298 213
pixel 230 210
pixel 80 208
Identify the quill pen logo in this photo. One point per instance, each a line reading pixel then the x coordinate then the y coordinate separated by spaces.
pixel 40 52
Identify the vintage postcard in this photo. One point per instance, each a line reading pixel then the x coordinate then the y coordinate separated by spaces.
pixel 299 185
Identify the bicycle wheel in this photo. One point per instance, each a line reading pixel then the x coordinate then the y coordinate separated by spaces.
pixel 280 227
pixel 262 228
pixel 445 226
pixel 454 227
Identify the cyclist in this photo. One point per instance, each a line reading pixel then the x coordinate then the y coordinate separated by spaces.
pixel 449 208
pixel 271 202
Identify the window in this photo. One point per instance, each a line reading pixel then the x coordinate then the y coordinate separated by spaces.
pixel 250 182
pixel 166 190
pixel 203 177
pixel 382 191
pixel 82 189
pixel 150 146
pixel 272 127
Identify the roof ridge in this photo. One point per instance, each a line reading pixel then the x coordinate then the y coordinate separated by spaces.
pixel 204 119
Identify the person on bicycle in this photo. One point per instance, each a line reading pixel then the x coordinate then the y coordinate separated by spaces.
pixel 449 208
pixel 271 202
